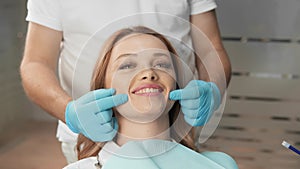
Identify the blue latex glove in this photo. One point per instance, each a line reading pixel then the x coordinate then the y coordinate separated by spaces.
pixel 198 100
pixel 91 114
pixel 161 154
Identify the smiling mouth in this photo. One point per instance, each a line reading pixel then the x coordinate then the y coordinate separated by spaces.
pixel 148 91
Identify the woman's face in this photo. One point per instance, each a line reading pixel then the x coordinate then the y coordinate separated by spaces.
pixel 141 66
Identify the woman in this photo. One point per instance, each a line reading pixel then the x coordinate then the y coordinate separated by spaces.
pixel 142 64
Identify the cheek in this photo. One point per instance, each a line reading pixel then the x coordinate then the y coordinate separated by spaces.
pixel 170 82
pixel 120 82
pixel 169 79
pixel 107 83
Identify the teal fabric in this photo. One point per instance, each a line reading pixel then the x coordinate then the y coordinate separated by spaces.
pixel 160 154
pixel 221 158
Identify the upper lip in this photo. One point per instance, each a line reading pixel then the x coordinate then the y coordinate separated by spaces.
pixel 144 86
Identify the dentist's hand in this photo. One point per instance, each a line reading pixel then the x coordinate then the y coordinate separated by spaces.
pixel 198 100
pixel 91 114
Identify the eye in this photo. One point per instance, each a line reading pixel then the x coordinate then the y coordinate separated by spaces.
pixel 165 65
pixel 127 66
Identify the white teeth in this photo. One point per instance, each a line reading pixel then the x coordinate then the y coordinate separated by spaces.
pixel 148 90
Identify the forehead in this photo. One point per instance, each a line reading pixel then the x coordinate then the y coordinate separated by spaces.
pixel 136 43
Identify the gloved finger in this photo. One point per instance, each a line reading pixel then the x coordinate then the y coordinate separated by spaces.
pixel 103 93
pixel 95 95
pixel 91 108
pixel 102 104
pixel 196 113
pixel 107 136
pixel 194 104
pixel 107 127
pixel 193 90
pixel 112 101
pixel 191 104
pixel 186 93
pixel 104 116
pixel 115 124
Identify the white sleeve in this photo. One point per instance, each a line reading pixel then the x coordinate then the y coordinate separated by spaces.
pixel 45 12
pixel 200 6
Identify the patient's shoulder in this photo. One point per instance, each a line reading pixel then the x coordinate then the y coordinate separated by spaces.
pixel 222 159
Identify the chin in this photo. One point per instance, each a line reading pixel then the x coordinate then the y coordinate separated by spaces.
pixel 145 109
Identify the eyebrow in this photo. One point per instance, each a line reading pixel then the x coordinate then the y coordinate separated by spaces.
pixel 125 55
pixel 159 54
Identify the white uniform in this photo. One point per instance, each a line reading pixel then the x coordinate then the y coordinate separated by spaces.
pixel 79 20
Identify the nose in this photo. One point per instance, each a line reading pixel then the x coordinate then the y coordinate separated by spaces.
pixel 149 74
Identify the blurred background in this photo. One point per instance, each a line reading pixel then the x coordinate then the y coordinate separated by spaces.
pixel 262 39
pixel 27 134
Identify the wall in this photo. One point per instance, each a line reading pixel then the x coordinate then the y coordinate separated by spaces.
pixel 262 39
pixel 15 108
pixel 11 94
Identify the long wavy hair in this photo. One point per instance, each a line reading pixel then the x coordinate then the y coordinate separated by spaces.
pixel 86 147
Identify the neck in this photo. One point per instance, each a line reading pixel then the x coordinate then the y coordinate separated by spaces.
pixel 133 131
